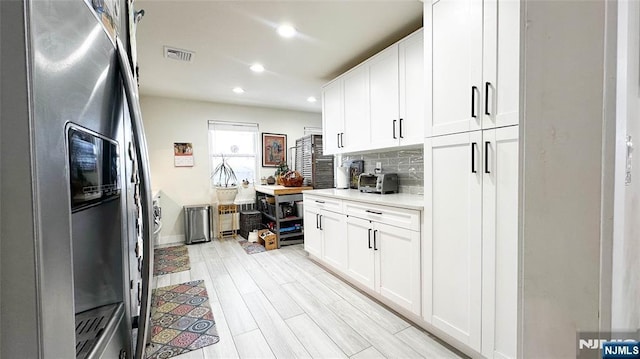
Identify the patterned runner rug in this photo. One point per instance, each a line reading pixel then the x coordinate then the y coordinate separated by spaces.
pixel 181 320
pixel 170 260
pixel 250 247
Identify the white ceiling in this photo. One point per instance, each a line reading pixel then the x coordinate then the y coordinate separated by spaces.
pixel 228 36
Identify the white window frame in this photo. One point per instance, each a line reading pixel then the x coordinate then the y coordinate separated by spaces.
pixel 239 126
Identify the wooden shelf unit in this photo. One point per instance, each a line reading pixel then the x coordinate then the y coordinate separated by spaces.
pixel 282 195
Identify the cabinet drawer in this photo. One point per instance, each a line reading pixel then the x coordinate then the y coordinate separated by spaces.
pixel 399 217
pixel 330 204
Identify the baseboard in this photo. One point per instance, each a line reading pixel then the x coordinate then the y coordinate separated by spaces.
pixel 173 239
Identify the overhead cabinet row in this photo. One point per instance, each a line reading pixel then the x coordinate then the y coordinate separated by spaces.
pixel 379 103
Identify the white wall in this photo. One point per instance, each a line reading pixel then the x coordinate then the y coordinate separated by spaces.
pixel 563 140
pixel 625 292
pixel 168 120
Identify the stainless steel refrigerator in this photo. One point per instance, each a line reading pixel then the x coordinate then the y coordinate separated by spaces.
pixel 75 202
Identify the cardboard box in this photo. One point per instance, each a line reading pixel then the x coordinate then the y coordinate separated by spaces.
pixel 267 239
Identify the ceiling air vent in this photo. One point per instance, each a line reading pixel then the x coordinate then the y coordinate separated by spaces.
pixel 178 54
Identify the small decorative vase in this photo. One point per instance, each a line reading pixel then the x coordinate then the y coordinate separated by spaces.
pixel 271 180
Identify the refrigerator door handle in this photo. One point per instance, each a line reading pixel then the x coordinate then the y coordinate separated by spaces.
pixel 131 93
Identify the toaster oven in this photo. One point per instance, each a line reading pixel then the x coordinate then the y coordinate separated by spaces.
pixel 378 183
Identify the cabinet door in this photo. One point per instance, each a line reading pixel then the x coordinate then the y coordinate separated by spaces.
pixel 412 94
pixel 360 256
pixel 500 243
pixel 334 242
pixel 332 116
pixel 356 110
pixel 452 250
pixel 312 233
pixel 397 253
pixel 384 92
pixel 456 66
pixel 501 63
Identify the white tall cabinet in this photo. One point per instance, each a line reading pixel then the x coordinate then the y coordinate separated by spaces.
pixel 470 247
pixel 453 244
pixel 500 242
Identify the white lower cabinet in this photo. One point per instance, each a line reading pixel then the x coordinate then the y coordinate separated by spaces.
pixel 360 257
pixel 376 247
pixel 323 218
pixel 397 262
pixel 334 243
pixel 385 259
pixel 312 233
pixel 470 243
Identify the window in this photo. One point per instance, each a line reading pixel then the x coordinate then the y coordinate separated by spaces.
pixel 238 144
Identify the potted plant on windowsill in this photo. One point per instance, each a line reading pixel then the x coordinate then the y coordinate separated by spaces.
pixel 225 180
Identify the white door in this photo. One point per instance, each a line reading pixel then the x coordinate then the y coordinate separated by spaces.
pixel 456 66
pixel 453 250
pixel 397 253
pixel 356 110
pixel 412 94
pixel 384 91
pixel 334 241
pixel 501 63
pixel 360 254
pixel 500 243
pixel 312 234
pixel 332 116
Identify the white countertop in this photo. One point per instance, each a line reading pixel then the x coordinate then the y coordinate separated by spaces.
pixel 400 200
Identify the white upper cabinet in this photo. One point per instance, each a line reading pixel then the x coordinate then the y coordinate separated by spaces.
pixel 473 65
pixel 456 66
pixel 332 116
pixel 385 97
pixel 412 89
pixel 382 100
pixel 501 63
pixel 356 110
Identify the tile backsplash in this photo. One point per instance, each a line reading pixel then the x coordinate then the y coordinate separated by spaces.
pixel 407 163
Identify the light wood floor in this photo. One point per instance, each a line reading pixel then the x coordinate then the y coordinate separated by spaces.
pixel 279 304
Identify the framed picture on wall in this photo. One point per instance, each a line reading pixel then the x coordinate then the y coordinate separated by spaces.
pixel 274 149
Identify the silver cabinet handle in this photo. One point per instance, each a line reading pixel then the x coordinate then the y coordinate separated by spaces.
pixel 131 92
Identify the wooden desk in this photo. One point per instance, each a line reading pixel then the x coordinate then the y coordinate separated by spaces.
pixel 278 190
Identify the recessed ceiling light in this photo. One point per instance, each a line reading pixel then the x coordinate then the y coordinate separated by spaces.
pixel 287 31
pixel 238 90
pixel 257 68
pixel 311 99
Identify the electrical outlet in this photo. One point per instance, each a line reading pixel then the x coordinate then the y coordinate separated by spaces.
pixel 378 167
